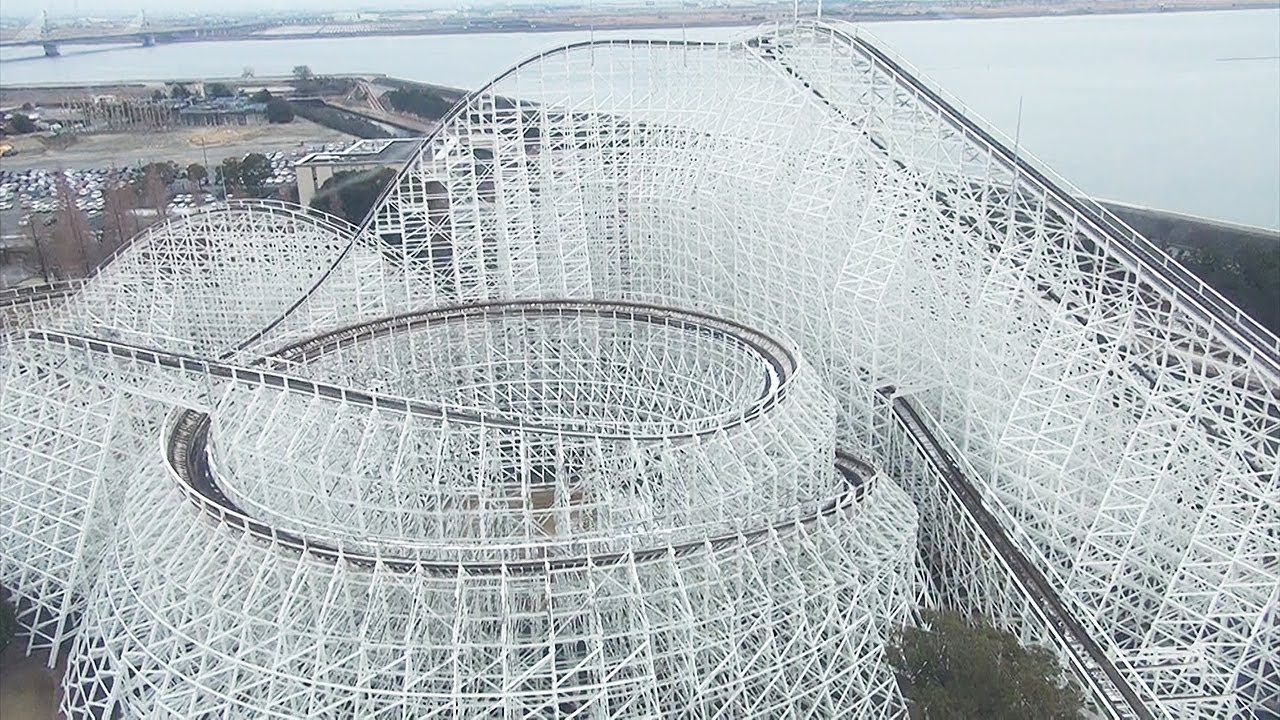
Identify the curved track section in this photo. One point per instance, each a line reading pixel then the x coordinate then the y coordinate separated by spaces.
pixel 603 334
pixel 203 283
pixel 615 583
pixel 189 463
pixel 645 634
pixel 562 427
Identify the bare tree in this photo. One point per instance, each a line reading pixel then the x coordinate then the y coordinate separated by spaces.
pixel 120 221
pixel 157 193
pixel 39 243
pixel 72 243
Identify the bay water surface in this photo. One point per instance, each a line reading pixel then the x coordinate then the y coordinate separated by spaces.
pixel 1178 111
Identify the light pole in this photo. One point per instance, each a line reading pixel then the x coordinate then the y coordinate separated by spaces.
pixel 204 152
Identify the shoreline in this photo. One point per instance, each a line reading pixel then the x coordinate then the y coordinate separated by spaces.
pixel 903 13
pixel 1025 12
pixel 1257 232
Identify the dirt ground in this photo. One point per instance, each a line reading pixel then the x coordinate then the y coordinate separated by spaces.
pixel 28 689
pixel 182 146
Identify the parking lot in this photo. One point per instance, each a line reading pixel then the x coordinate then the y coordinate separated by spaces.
pixel 31 195
pixel 36 191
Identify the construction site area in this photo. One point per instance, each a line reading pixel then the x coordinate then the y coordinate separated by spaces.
pixel 79 164
pixel 182 145
pixel 205 121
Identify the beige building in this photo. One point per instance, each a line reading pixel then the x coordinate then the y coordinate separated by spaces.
pixel 314 169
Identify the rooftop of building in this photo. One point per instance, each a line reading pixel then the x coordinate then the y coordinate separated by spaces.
pixel 389 152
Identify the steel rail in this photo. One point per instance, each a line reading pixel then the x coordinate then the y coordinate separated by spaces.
pixel 1200 299
pixel 779 356
pixel 1109 685
pixel 187 458
pixel 463 105
pixel 776 386
pixel 35 293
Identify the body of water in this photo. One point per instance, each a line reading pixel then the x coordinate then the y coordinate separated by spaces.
pixel 1178 111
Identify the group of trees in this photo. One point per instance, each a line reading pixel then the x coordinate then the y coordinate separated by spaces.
pixel 279 110
pixel 177 91
pixel 954 667
pixel 351 195
pixel 67 245
pixel 8 619
pixel 1242 264
pixel 340 121
pixel 420 101
pixel 246 175
pixel 1248 276
pixel 218 90
pixel 306 82
pixel 20 124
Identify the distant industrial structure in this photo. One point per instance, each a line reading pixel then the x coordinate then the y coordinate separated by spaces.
pixel 223 111
pixel 110 112
pixel 41 32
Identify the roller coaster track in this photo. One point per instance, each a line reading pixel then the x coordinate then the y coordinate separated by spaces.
pixel 1108 686
pixel 1106 682
pixel 188 459
pixel 187 435
pixel 14 297
pixel 1196 297
pixel 780 361
pixel 19 305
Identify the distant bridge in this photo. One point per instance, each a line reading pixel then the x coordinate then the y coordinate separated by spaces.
pixel 42 33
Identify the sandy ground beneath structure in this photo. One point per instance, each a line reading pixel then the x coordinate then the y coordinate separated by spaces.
pixel 182 146
pixel 28 689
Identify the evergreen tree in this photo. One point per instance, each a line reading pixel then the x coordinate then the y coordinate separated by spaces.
pixel 351 195
pixel 255 170
pixel 279 111
pixel 958 668
pixel 8 620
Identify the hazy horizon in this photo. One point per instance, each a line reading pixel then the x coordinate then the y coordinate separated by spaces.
pixel 159 8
